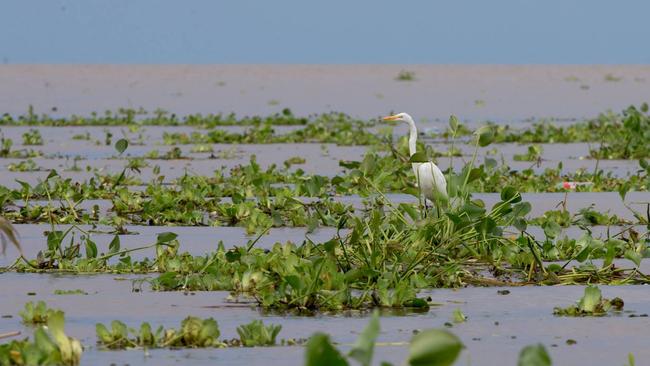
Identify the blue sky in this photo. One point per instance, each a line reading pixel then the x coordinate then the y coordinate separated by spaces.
pixel 321 32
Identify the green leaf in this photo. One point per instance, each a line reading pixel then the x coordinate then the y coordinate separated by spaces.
pixel 534 355
pixel 114 245
pixel 349 164
pixel 55 324
pixel 453 123
pixel 583 254
pixel 590 300
pixel 52 174
pixel 434 347
pixel 473 210
pixel 521 209
pixel 485 136
pixel 233 255
pixel 630 356
pixel 551 229
pixel 520 224
pixel 623 189
pixel 44 342
pixel 166 237
pixel 458 316
pixel 103 334
pixel 121 145
pixel 419 157
pixel 554 267
pixel 364 346
pixel 510 193
pixel 635 257
pixel 474 174
pixel 644 164
pixel 294 281
pixel 321 352
pixel 91 249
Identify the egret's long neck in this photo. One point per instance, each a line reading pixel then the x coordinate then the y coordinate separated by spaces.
pixel 413 136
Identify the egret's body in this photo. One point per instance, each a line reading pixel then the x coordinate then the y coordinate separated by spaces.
pixel 429 177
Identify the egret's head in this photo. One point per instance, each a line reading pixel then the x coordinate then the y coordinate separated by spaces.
pixel 400 117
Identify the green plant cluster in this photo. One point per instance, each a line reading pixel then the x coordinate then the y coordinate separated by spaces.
pixel 592 303
pixel 193 333
pixel 51 346
pixel 137 117
pixel 38 313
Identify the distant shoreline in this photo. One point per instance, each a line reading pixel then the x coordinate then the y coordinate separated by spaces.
pixel 473 92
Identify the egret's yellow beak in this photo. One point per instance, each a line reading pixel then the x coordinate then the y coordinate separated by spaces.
pixel 391 118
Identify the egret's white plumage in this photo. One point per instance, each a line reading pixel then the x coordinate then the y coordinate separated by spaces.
pixel 430 179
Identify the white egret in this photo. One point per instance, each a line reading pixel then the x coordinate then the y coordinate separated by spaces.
pixel 429 177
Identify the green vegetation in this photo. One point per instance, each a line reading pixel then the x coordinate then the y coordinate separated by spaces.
pixel 534 355
pixel 70 292
pixel 126 116
pixel 51 346
pixel 383 254
pixel 24 166
pixel 193 333
pixel 405 75
pixel 255 334
pixel 388 253
pixel 37 313
pixel 592 303
pixel 32 137
pixel 534 154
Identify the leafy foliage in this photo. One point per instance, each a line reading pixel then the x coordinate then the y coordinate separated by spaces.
pixel 193 333
pixel 591 304
pixel 37 313
pixel 255 334
pixel 51 346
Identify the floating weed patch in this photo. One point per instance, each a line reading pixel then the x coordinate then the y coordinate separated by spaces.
pixel 37 313
pixel 294 160
pixel 193 333
pixel 534 154
pixel 140 117
pixel 591 304
pixel 24 166
pixel 405 75
pixel 70 292
pixel 202 148
pixel 255 334
pixel 51 346
pixel 32 137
